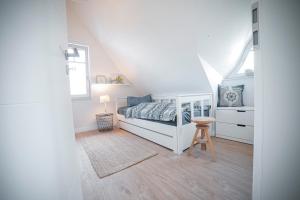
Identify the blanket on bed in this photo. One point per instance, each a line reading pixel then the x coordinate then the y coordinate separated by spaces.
pixel 152 111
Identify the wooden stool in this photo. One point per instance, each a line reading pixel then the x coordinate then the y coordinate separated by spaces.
pixel 202 125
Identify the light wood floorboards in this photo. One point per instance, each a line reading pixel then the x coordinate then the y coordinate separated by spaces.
pixel 169 176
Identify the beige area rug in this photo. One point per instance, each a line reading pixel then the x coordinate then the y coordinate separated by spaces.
pixel 111 152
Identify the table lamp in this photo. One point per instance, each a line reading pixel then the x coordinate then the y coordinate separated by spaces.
pixel 104 99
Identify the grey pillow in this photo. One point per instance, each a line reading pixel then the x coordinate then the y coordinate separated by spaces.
pixel 133 101
pixel 230 96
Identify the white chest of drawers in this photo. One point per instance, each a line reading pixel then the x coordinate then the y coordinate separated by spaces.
pixel 235 123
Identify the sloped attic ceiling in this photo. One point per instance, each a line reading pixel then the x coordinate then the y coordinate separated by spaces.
pixel 157 43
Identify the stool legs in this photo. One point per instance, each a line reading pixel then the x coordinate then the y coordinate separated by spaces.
pixel 211 145
pixel 203 145
pixel 206 138
pixel 193 142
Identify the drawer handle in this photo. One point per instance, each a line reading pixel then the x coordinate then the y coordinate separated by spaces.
pixel 241 110
pixel 241 125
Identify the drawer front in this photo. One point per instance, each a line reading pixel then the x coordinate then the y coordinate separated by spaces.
pixel 245 117
pixel 163 140
pixel 157 127
pixel 235 132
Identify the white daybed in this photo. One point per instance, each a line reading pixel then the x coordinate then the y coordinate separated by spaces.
pixel 177 138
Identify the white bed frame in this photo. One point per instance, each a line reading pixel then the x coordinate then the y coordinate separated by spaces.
pixel 177 138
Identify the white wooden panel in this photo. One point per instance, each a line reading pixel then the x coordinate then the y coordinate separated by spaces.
pixel 186 136
pixel 234 132
pixel 158 138
pixel 154 126
pixel 236 116
pixel 236 108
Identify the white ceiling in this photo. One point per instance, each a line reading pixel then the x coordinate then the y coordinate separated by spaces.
pixel 157 43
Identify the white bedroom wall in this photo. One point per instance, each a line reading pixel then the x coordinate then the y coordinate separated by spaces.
pixel 276 140
pixel 38 157
pixel 100 63
pixel 157 44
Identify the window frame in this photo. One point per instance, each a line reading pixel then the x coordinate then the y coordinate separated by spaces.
pixel 234 73
pixel 87 68
pixel 243 62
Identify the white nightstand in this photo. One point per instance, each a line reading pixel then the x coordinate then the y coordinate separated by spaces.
pixel 235 123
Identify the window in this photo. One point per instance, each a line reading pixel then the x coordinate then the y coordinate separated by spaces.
pixel 79 72
pixel 248 63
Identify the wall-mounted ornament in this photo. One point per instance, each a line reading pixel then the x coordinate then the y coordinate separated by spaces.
pixel 101 79
pixel 118 79
pixel 255 25
pixel 71 52
pixel 112 79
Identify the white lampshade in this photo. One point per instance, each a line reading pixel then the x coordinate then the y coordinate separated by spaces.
pixel 104 99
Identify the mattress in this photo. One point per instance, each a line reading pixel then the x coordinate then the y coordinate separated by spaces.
pixel 186 119
pixel 122 111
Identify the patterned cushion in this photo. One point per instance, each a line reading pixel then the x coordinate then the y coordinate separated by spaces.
pixel 230 96
pixel 133 101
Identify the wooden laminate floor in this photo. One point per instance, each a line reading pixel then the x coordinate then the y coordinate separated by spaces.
pixel 168 176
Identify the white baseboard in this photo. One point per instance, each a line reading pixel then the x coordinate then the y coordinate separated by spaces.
pixel 86 128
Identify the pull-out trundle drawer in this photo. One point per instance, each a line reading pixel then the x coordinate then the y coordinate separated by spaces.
pixel 237 132
pixel 159 138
